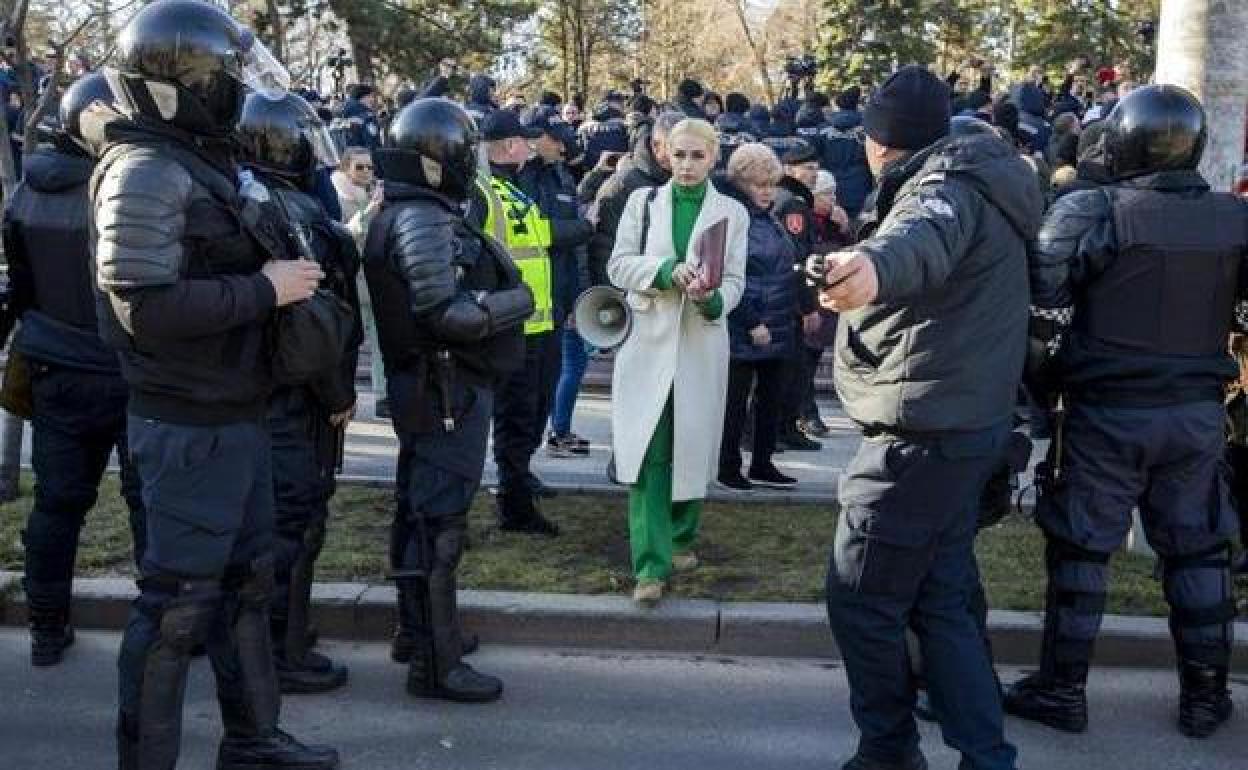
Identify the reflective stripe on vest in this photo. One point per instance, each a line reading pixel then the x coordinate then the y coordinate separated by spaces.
pixel 517 223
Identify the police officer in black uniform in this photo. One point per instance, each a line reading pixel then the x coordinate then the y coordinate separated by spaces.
pixel 79 397
pixel 450 308
pixel 1135 288
pixel 285 143
pixel 190 274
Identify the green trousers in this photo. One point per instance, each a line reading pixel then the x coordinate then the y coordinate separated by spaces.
pixel 656 525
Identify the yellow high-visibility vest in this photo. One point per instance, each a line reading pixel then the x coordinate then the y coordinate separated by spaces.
pixel 517 223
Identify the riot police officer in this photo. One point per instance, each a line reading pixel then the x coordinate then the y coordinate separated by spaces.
pixel 79 398
pixel 190 273
pixel 285 143
pixel 450 308
pixel 1136 287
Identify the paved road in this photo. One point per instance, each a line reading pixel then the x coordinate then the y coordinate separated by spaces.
pixel 579 711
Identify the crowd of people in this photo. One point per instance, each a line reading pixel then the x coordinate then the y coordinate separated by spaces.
pixel 197 255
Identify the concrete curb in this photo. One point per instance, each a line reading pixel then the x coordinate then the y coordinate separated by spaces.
pixel 582 485
pixel 366 612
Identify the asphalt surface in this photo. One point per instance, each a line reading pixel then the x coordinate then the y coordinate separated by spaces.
pixel 580 711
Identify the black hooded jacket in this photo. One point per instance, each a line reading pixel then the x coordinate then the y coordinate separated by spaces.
pixel 46 242
pixel 942 346
pixel 638 170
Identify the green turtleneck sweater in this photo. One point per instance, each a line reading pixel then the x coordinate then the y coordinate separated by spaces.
pixel 686 204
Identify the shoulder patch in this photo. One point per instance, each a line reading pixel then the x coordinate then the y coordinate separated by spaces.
pixel 795 223
pixel 936 206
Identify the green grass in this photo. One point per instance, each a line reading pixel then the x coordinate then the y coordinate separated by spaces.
pixel 751 553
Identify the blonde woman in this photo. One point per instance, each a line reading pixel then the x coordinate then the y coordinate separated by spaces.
pixel 671 376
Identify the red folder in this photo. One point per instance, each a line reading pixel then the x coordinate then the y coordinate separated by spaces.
pixel 710 248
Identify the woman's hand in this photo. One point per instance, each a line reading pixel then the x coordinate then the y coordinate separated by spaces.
pixel 696 291
pixel 683 275
pixel 760 335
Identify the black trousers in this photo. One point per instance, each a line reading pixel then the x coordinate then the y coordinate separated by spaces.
pixel 80 417
pixel 768 378
pixel 522 405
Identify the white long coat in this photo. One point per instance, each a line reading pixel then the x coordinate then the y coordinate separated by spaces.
pixel 673 348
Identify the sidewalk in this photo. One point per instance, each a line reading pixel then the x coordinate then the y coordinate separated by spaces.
pixel 372 449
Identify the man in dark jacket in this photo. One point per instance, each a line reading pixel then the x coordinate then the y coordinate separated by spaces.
pixel 647 166
pixel 841 152
pixel 1032 126
pixel 480 97
pixel 1141 360
pixel 735 128
pixel 79 397
pixel 689 95
pixel 191 268
pixel 604 132
pixel 358 115
pixel 285 145
pixel 929 354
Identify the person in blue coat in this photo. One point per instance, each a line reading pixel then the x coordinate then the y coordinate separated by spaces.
pixel 761 329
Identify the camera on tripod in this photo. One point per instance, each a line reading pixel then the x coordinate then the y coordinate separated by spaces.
pixel 801 72
pixel 801 67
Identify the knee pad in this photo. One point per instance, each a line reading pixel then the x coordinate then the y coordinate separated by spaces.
pixel 1202 608
pixel 449 549
pixel 252 582
pixel 1078 580
pixel 186 619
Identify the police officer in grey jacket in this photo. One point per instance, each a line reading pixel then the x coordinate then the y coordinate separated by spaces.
pixel 1136 288
pixel 929 353
pixel 189 278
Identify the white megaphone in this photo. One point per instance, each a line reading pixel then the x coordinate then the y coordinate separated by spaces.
pixel 603 318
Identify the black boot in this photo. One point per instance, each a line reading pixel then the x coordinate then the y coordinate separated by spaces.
pixel 301 671
pixel 518 512
pixel 436 668
pixel 406 633
pixel 50 632
pixel 1057 701
pixel 1204 700
pixel 247 690
pixel 915 761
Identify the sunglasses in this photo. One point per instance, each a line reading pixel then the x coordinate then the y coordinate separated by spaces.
pixel 364 168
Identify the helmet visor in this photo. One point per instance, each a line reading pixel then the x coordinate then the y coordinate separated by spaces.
pixel 323 146
pixel 261 71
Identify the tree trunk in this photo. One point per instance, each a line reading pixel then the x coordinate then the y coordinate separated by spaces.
pixel 756 48
pixel 279 30
pixel 1200 47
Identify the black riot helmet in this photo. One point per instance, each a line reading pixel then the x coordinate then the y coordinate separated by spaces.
pixel 187 63
pixel 86 91
pixel 284 137
pixel 432 143
pixel 1155 128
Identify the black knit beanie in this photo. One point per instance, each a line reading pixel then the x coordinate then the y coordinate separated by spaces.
pixel 910 111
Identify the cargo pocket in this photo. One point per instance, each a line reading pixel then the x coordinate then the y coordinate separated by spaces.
pixel 883 540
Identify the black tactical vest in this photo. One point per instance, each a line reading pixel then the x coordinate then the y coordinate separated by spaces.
pixel 1171 288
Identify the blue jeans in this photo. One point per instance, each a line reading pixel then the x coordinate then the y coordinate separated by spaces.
pixel 905 557
pixel 575 360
